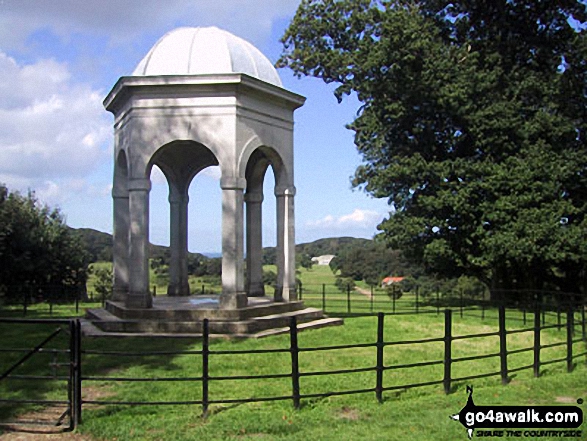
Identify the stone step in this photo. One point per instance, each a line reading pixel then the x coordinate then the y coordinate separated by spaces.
pixel 282 320
pixel 90 330
pixel 108 322
pixel 186 312
pixel 314 324
pixel 100 314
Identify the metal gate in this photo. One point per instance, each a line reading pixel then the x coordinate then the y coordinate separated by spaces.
pixel 40 377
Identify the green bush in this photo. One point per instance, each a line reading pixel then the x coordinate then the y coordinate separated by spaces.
pixel 345 283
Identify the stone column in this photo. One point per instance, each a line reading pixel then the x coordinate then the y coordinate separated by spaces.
pixel 286 259
pixel 254 203
pixel 233 293
pixel 139 296
pixel 120 246
pixel 178 226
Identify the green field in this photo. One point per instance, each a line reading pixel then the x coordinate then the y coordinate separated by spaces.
pixel 417 413
pixel 313 281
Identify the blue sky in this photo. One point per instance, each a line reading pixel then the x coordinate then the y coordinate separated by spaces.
pixel 59 59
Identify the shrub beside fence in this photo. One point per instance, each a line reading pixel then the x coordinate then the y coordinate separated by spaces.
pixel 382 380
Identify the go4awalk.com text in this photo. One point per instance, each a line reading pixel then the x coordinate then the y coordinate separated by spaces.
pixel 520 421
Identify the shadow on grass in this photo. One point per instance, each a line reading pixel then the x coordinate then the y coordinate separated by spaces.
pixel 16 343
pixel 43 379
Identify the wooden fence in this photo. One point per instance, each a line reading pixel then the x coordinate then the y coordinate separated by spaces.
pixel 573 342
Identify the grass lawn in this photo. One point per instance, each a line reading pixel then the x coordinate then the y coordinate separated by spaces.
pixel 421 413
pixel 320 279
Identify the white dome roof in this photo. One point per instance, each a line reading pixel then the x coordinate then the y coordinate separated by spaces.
pixel 195 51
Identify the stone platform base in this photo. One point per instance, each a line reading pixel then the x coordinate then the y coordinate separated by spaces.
pixel 183 317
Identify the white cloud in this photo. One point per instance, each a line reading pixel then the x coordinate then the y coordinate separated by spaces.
pixel 50 129
pixel 50 193
pixel 357 220
pixel 54 193
pixel 251 19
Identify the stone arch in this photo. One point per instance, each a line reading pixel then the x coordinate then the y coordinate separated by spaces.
pixel 121 225
pixel 180 161
pixel 282 166
pixel 121 174
pixel 259 161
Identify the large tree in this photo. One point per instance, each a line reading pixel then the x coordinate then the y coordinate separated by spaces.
pixel 371 262
pixel 39 254
pixel 472 124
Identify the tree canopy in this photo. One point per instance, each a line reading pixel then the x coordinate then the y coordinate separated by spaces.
pixel 37 250
pixel 370 262
pixel 472 125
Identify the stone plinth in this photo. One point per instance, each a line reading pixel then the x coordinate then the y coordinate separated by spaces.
pixel 183 317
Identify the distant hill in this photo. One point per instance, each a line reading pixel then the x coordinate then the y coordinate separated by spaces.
pixel 99 245
pixel 330 245
pixel 320 247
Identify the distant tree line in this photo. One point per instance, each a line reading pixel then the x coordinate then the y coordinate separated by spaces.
pixel 320 247
pixel 371 262
pixel 39 254
pixel 198 264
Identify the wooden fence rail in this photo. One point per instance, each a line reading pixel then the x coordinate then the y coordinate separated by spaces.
pixel 448 380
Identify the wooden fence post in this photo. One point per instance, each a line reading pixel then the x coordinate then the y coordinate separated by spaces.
pixel 78 372
pixel 570 331
pixel 324 297
pixel 72 392
pixel 379 367
pixel 537 342
pixel 503 352
pixel 393 302
pixel 584 335
pixel 25 301
pixel 205 366
pixel 447 349
pixel 295 368
pixel 348 298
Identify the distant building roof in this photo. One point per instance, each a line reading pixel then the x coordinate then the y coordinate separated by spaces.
pixel 323 260
pixel 391 280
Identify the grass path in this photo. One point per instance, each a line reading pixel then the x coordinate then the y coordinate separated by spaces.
pixel 363 291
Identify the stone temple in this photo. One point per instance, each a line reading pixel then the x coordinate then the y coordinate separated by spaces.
pixel 203 97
